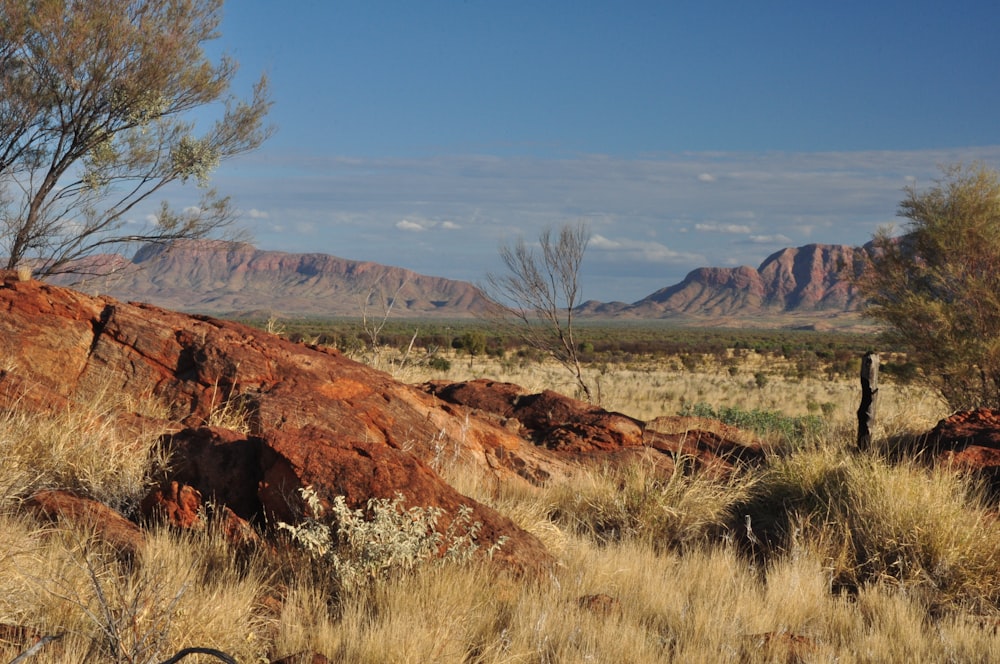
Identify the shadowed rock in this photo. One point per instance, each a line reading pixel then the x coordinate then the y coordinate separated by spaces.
pixel 970 440
pixel 106 523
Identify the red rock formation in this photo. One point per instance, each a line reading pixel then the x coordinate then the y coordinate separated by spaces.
pixel 816 277
pixel 177 504
pixel 295 416
pixel 979 427
pixel 549 419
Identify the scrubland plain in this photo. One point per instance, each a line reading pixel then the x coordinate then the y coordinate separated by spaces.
pixel 821 555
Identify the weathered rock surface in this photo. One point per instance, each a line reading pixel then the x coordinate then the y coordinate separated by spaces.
pixel 256 418
pixel 580 431
pixel 712 445
pixel 549 419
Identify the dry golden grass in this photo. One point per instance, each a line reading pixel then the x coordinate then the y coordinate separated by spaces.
pixel 181 590
pixel 82 448
pixel 650 389
pixel 855 558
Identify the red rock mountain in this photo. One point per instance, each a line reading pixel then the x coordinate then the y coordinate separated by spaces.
pixel 812 278
pixel 224 277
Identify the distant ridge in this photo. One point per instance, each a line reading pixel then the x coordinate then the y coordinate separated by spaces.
pixel 228 278
pixel 225 278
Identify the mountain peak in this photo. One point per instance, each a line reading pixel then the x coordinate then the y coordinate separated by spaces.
pixel 811 278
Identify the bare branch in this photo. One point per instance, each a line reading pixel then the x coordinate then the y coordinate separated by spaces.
pixel 536 296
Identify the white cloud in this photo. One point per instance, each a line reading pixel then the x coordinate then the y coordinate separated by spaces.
pixel 638 250
pixel 715 227
pixel 777 238
pixel 412 226
pixel 254 213
pixel 706 177
pixel 450 226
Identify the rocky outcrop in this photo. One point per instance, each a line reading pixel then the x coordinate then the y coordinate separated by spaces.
pixel 548 419
pixel 296 415
pixel 582 432
pixel 251 419
pixel 88 515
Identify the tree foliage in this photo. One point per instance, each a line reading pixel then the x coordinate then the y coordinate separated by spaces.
pixel 93 100
pixel 538 294
pixel 937 288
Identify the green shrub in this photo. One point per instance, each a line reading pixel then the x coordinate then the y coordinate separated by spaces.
pixel 473 343
pixel 767 423
pixel 439 364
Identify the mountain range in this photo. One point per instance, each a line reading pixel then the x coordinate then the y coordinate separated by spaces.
pixel 225 278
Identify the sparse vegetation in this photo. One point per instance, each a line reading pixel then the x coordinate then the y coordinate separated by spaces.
pixel 821 554
pixel 771 424
pixel 372 545
pixel 537 296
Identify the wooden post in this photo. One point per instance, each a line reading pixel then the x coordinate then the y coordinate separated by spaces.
pixel 869 394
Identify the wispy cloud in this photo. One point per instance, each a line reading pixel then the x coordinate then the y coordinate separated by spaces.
pixel 730 229
pixel 407 225
pixel 777 238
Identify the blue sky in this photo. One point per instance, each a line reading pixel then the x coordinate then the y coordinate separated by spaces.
pixel 424 134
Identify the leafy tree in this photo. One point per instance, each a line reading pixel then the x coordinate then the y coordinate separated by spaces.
pixel 538 293
pixel 937 288
pixel 93 96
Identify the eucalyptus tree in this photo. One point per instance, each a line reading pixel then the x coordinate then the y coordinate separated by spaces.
pixel 936 288
pixel 103 103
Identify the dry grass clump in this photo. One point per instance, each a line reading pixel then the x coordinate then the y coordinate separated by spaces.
pixel 81 448
pixel 182 590
pixel 675 507
pixel 931 532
